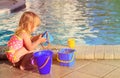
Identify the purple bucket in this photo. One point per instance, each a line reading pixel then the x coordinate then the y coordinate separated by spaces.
pixel 44 60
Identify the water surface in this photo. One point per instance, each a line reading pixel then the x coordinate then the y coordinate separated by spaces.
pixel 90 22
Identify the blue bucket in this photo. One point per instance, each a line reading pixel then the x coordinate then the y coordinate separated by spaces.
pixel 66 57
pixel 44 60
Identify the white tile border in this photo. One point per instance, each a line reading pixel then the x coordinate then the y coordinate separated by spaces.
pixel 95 52
pixel 91 52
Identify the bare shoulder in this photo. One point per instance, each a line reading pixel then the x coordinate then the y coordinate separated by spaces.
pixel 23 35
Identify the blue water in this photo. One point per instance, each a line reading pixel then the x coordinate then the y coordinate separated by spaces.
pixel 90 22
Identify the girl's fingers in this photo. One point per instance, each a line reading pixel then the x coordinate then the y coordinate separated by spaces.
pixel 40 36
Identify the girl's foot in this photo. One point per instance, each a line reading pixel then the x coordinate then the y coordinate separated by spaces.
pixel 28 67
pixel 22 68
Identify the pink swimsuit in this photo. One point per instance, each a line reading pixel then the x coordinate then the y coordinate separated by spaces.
pixel 14 44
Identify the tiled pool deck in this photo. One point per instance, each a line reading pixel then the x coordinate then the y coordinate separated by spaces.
pixel 83 68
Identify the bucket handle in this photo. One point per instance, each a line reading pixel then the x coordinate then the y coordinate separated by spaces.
pixel 44 63
pixel 32 62
pixel 65 61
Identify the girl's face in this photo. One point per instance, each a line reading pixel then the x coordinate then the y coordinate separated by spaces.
pixel 34 29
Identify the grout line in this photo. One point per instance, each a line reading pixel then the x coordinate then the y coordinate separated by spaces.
pixel 104 53
pixel 95 61
pixel 76 69
pixel 94 52
pixel 113 53
pixel 90 74
pixel 110 72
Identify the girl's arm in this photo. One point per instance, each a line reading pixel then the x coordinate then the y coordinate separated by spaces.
pixel 34 38
pixel 31 45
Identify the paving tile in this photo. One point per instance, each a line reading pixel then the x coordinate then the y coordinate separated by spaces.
pixel 77 74
pixel 8 71
pixel 48 76
pixel 97 69
pixel 5 63
pixel 62 70
pixel 32 75
pixel 81 69
pixel 115 63
pixel 58 71
pixel 113 74
pixel 11 73
pixel 35 74
pixel 78 64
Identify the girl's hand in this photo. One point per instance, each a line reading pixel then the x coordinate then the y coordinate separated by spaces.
pixel 42 40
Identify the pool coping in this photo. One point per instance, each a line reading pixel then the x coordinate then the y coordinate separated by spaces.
pixel 11 7
pixel 95 52
pixel 90 52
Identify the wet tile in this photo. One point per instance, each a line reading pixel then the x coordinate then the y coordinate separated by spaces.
pixel 11 73
pixel 8 71
pixel 77 74
pixel 97 69
pixel 5 63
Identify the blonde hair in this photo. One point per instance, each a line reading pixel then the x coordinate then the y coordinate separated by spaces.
pixel 27 22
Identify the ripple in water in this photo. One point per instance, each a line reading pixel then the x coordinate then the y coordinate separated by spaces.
pixel 90 22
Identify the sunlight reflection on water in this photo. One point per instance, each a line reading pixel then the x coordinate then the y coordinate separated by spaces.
pixel 90 22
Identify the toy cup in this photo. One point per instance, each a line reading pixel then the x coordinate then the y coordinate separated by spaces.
pixel 71 43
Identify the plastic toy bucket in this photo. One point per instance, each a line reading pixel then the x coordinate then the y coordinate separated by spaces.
pixel 66 57
pixel 44 60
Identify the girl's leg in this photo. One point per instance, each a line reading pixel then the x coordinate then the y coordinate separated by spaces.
pixel 23 58
pixel 26 62
pixel 18 55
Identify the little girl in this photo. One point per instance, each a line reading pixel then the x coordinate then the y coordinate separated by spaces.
pixel 21 44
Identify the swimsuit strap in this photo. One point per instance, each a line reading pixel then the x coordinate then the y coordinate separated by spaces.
pixel 18 37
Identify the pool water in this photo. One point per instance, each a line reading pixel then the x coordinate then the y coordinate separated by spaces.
pixel 90 22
